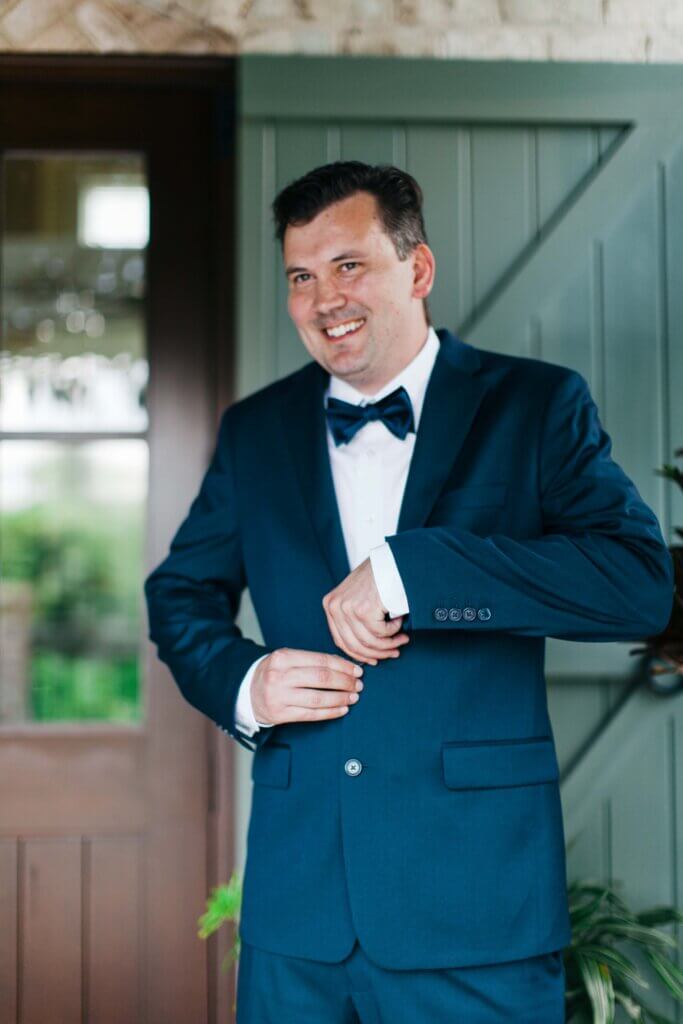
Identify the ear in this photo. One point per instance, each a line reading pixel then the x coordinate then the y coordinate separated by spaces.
pixel 424 270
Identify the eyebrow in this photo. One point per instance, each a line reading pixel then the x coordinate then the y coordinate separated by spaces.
pixel 335 259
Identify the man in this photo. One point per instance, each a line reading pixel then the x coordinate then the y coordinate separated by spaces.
pixel 409 508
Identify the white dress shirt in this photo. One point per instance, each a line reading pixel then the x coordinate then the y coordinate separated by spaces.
pixel 369 475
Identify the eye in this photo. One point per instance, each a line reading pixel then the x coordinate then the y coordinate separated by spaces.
pixel 297 276
pixel 351 263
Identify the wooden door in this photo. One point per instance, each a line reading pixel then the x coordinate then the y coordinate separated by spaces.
pixel 554 206
pixel 115 235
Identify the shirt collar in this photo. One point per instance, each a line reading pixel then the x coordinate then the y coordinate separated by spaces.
pixel 414 378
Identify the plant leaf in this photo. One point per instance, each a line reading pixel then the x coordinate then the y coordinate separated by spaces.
pixel 633 1010
pixel 616 962
pixel 222 905
pixel 598 984
pixel 670 973
pixel 626 928
pixel 659 915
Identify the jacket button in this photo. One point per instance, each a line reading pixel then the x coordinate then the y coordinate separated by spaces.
pixel 353 766
pixel 441 614
pixel 484 614
pixel 455 614
pixel 469 614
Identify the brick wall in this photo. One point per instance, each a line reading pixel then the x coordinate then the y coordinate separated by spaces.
pixel 593 30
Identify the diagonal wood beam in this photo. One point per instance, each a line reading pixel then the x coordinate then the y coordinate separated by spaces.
pixel 568 240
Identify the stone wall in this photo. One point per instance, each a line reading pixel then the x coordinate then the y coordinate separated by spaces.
pixel 592 30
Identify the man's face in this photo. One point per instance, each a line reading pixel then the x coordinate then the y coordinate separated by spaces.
pixel 342 269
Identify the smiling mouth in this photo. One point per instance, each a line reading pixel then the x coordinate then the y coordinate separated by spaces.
pixel 344 330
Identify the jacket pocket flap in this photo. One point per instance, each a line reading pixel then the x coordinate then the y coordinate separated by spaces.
pixel 488 764
pixel 475 496
pixel 271 764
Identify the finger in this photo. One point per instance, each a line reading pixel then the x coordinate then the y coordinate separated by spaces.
pixel 390 627
pixel 322 676
pixel 295 657
pixel 342 640
pixel 297 714
pixel 365 636
pixel 305 697
pixel 353 643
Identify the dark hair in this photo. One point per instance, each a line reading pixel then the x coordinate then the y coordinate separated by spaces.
pixel 398 196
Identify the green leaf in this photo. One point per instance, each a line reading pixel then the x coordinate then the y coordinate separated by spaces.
pixel 659 915
pixel 617 963
pixel 670 973
pixel 581 915
pixel 222 905
pixel 598 984
pixel 633 1010
pixel 625 928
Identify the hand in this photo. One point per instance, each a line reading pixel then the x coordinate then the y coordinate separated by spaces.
pixel 303 686
pixel 355 615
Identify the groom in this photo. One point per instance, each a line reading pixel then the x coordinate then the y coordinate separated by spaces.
pixel 413 516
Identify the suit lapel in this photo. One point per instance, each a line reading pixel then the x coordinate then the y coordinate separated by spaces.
pixel 454 393
pixel 305 429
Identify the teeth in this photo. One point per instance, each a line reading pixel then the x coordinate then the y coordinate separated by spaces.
pixel 338 332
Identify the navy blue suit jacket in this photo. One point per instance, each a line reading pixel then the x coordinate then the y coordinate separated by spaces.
pixel 516 524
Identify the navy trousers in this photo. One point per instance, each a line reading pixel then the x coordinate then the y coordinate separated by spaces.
pixel 276 989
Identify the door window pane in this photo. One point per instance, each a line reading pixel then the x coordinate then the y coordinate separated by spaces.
pixel 71 542
pixel 73 354
pixel 73 371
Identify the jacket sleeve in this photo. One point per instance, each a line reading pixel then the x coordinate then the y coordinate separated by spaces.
pixel 600 571
pixel 193 598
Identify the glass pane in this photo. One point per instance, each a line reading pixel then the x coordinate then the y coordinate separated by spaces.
pixel 72 520
pixel 74 238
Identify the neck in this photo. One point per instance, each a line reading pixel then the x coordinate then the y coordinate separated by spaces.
pixel 370 386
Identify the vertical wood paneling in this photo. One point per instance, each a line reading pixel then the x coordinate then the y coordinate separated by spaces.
pixel 565 320
pixel 372 143
pixel 440 162
pixel 8 931
pixel 643 829
pixel 575 705
pixel 300 147
pixel 256 311
pixel 630 411
pixel 565 157
pixel 673 197
pixel 113 930
pixel 50 910
pixel 501 203
pixel 587 853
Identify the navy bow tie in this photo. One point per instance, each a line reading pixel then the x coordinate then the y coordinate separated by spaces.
pixel 394 410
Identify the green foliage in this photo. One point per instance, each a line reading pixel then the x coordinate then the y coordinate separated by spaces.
pixel 599 976
pixel 84 566
pixel 223 905
pixel 82 562
pixel 80 688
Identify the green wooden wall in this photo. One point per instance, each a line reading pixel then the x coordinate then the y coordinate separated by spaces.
pixel 554 207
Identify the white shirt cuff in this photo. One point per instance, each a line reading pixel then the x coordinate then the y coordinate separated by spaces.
pixel 244 712
pixel 388 581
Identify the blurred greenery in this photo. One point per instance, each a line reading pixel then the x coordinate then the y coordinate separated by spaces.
pixel 84 564
pixel 82 688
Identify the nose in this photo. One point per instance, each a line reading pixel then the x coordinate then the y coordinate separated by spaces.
pixel 328 297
